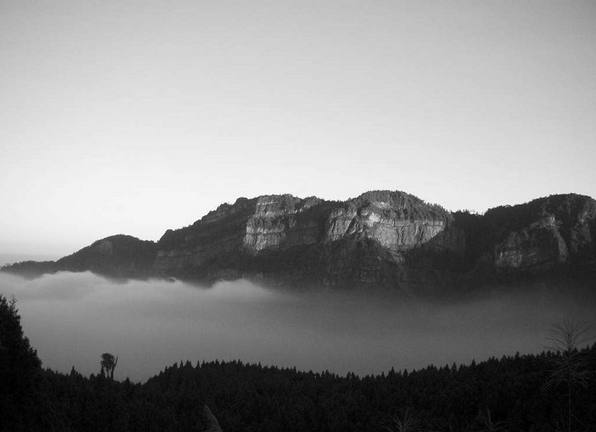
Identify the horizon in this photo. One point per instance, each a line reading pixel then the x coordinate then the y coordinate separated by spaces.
pixel 9 257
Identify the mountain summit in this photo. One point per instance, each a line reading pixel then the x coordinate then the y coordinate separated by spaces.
pixel 387 239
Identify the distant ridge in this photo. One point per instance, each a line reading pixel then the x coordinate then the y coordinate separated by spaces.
pixel 385 239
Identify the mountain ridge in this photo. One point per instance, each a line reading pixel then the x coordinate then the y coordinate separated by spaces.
pixel 381 238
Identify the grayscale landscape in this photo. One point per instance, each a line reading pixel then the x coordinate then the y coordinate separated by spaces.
pixel 313 216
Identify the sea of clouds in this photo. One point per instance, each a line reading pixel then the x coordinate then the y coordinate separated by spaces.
pixel 71 318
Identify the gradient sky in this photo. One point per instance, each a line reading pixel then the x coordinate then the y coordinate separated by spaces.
pixel 134 117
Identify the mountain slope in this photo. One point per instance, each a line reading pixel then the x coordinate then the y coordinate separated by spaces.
pixel 386 239
pixel 115 256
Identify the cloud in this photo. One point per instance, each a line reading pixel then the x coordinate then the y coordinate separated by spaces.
pixel 71 318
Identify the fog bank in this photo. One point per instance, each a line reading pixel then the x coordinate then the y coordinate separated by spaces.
pixel 71 318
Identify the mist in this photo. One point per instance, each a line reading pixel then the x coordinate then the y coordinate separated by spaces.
pixel 71 318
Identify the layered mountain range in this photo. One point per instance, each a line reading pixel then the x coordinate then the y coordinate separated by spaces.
pixel 385 239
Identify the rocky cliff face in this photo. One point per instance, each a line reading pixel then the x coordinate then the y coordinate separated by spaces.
pixel 380 238
pixel 544 234
pixel 536 247
pixel 278 222
pixel 397 221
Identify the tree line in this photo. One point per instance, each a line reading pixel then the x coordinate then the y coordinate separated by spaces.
pixel 550 391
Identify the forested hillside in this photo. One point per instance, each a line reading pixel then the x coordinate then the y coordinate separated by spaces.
pixel 521 393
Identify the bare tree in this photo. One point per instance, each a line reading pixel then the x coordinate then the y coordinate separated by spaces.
pixel 403 423
pixel 487 424
pixel 108 365
pixel 212 423
pixel 569 367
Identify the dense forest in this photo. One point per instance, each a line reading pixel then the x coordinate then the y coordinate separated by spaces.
pixel 552 391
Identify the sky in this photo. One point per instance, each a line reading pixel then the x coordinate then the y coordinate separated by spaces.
pixel 134 117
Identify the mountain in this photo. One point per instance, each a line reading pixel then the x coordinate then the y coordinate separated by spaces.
pixel 387 239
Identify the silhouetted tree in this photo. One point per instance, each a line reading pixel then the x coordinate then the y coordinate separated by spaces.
pixel 20 371
pixel 108 364
pixel 570 366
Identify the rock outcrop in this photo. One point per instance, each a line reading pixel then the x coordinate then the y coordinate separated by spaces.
pixel 281 237
pixel 397 221
pixel 544 234
pixel 381 238
pixel 536 247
